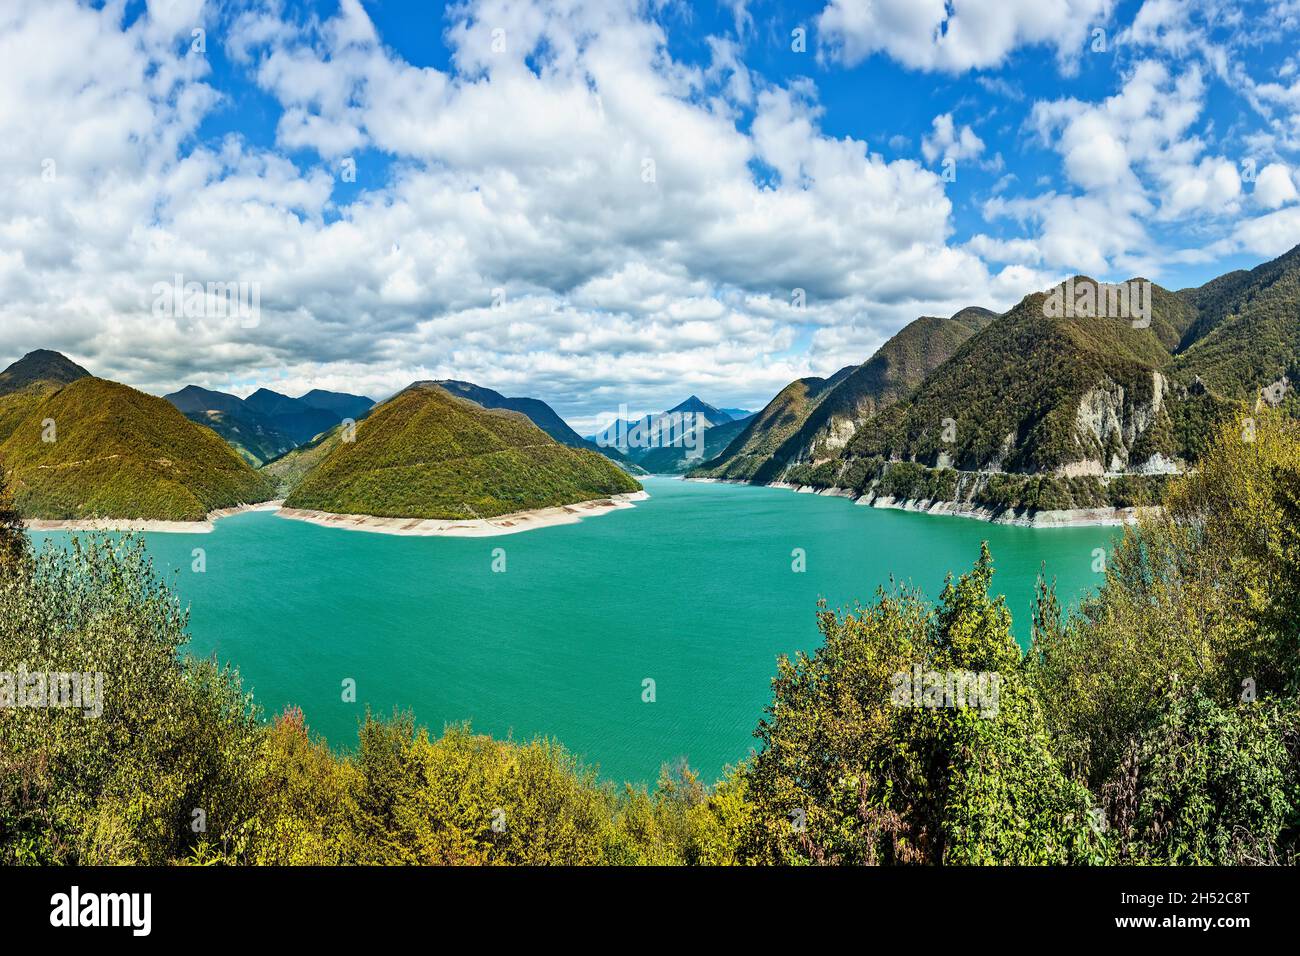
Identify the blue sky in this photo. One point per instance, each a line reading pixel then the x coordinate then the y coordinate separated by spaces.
pixel 616 203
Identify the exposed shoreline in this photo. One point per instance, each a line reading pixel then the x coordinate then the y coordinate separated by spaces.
pixel 1026 518
pixel 143 524
pixel 469 528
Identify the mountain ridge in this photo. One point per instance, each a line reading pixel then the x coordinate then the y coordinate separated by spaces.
pixel 96 449
pixel 427 453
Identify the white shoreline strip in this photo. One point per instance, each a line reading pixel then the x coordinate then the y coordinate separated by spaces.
pixel 465 527
pixel 1026 518
pixel 137 524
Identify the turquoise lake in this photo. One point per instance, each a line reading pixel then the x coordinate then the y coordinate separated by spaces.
pixel 693 588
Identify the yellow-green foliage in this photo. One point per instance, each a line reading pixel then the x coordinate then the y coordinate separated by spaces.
pixel 1159 724
pixel 427 454
pixel 1200 593
pixel 852 773
pixel 119 453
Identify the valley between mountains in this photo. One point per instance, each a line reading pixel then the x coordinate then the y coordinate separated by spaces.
pixel 1025 417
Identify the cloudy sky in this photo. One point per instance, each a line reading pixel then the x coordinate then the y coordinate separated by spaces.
pixel 610 202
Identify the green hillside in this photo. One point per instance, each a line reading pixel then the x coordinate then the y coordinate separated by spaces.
pixel 122 454
pixel 898 367
pixel 811 419
pixel 1012 394
pixel 1032 411
pixel 1247 334
pixel 287 471
pixel 427 454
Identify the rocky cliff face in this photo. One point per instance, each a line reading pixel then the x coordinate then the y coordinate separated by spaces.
pixel 1110 422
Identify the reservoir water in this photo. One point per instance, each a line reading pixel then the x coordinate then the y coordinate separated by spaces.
pixel 693 589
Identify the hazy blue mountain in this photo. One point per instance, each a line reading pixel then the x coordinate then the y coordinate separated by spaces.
pixel 664 443
pixel 293 416
pixel 338 403
pixel 255 436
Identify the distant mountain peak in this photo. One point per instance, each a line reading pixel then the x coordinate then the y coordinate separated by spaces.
pixel 40 365
pixel 715 416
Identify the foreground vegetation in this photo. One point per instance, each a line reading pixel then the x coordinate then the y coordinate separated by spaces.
pixel 1157 723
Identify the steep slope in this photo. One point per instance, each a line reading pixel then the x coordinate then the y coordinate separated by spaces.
pixel 801 426
pixel 1247 333
pixel 251 434
pixel 34 377
pixel 119 453
pixel 752 455
pixel 541 414
pixel 898 367
pixel 1032 393
pixel 426 453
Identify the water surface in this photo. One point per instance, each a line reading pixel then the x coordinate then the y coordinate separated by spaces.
pixel 693 588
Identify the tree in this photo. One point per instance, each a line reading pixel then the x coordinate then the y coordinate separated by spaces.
pixel 14 547
pixel 152 758
pixel 857 767
pixel 1202 592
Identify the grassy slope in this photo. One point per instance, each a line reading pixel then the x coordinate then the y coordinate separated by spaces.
pixel 1024 374
pixel 750 456
pixel 799 421
pixel 123 454
pixel 428 454
pixel 1248 332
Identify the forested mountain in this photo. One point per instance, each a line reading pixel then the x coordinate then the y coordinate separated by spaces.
pixel 812 419
pixel 250 433
pixel 267 424
pixel 1036 408
pixel 426 453
pixel 32 378
pixel 1247 331
pixel 97 449
pixel 301 419
pixel 541 414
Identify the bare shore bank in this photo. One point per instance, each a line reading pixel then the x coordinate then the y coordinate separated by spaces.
pixel 1025 518
pixel 137 524
pixel 469 528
